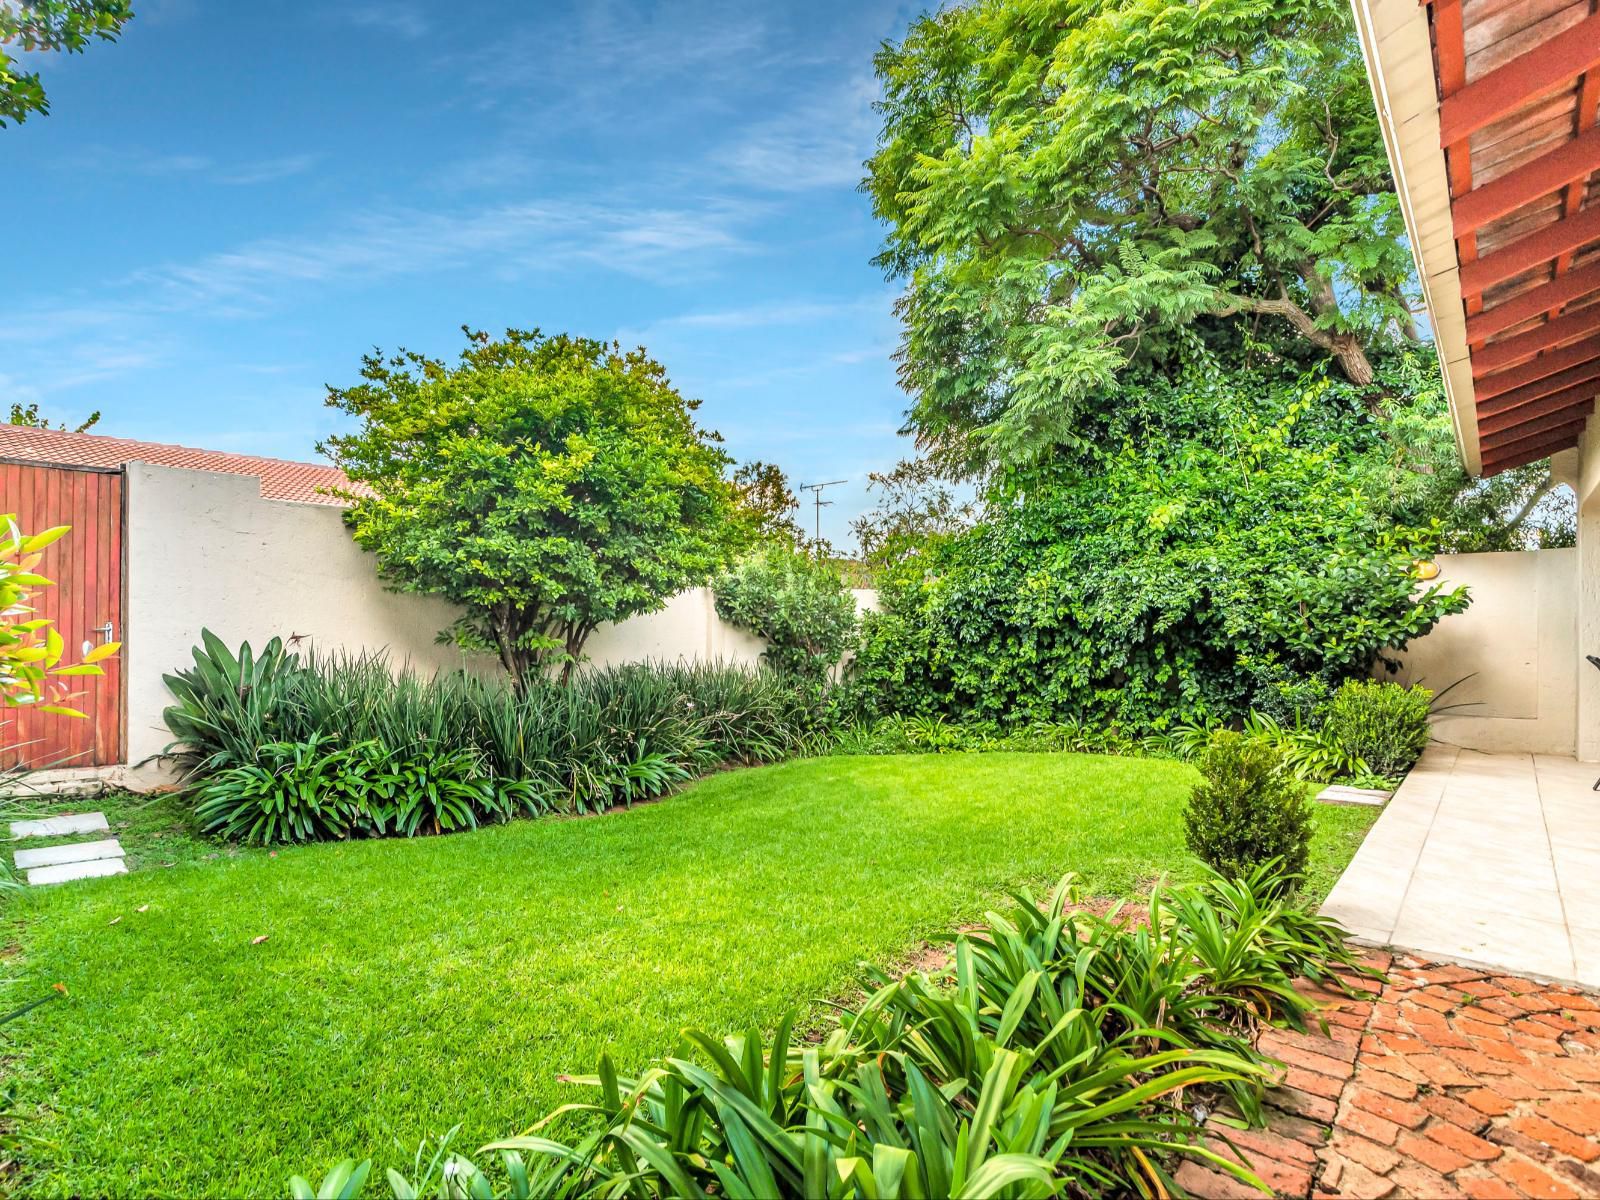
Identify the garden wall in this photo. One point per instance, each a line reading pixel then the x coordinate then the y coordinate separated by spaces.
pixel 204 550
pixel 1518 642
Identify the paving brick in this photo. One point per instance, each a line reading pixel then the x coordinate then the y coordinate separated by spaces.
pixel 1382 1081
pixel 1580 1114
pixel 1489 1103
pixel 1369 1125
pixel 1533 1181
pixel 1380 1160
pixel 1264 1144
pixel 1557 1138
pixel 1414 1179
pixel 1586 1178
pixel 1504 1135
pixel 1309 1043
pixel 1463 1142
pixel 1294 1056
pixel 1401 1112
pixel 1319 1084
pixel 1430 1152
pixel 1348 1179
pixel 1487 1186
pixel 1447 1108
pixel 1441 1071
pixel 1311 1133
pixel 1302 1104
pixel 1212 1185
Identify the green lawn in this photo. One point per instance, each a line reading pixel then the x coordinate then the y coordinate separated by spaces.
pixel 408 985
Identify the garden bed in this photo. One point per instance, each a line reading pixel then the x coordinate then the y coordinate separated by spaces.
pixel 404 985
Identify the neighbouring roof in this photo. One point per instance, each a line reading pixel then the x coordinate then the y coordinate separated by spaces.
pixel 1489 112
pixel 280 479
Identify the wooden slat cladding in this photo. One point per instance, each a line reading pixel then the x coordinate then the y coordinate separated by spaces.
pixel 86 566
pixel 1519 86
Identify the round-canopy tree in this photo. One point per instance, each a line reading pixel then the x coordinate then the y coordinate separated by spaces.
pixel 547 485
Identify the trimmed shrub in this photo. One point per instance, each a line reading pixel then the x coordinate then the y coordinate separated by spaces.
pixel 1248 810
pixel 1382 724
pixel 798 603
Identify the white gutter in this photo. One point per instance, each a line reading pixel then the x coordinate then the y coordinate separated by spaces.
pixel 1399 56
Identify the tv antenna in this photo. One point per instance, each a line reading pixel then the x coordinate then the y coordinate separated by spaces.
pixel 818 502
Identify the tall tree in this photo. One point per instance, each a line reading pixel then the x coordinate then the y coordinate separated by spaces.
pixel 547 485
pixel 915 509
pixel 1077 187
pixel 45 25
pixel 768 501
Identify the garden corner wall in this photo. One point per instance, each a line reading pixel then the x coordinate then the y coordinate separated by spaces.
pixel 205 550
pixel 1518 642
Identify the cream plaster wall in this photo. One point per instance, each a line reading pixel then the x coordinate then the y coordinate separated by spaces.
pixel 1518 642
pixel 205 550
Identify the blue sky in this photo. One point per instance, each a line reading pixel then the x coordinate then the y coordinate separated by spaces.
pixel 226 208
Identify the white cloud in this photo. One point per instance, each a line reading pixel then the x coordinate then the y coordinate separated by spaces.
pixel 819 144
pixel 512 239
pixel 395 18
pixel 120 161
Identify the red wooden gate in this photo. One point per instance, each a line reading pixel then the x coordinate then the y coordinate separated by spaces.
pixel 85 604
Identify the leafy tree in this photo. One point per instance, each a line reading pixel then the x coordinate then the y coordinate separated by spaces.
pixel 1078 189
pixel 796 601
pixel 547 485
pixel 35 25
pixel 29 415
pixel 769 501
pixel 1176 584
pixel 916 508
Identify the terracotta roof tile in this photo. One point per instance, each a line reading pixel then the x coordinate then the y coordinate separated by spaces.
pixel 280 479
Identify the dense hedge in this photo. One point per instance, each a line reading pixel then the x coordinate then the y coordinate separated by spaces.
pixel 1183 582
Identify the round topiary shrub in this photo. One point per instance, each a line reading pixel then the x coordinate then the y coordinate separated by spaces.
pixel 1247 809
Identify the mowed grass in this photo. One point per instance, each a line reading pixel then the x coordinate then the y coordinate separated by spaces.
pixel 405 986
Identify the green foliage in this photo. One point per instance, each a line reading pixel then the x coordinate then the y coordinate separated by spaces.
pixel 1384 725
pixel 29 415
pixel 916 510
pixel 32 673
pixel 1079 189
pixel 1049 1059
pixel 281 749
pixel 797 602
pixel 1248 811
pixel 547 485
pixel 900 734
pixel 35 25
pixel 1173 585
pixel 768 503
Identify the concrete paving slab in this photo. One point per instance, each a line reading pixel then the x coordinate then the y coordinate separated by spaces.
pixel 1339 794
pixel 54 856
pixel 1484 858
pixel 60 826
pixel 78 870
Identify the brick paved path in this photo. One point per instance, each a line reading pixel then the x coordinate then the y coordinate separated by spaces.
pixel 1447 1082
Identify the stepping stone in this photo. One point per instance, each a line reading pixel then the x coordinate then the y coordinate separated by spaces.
pixel 55 856
pixel 60 826
pixel 77 870
pixel 1339 794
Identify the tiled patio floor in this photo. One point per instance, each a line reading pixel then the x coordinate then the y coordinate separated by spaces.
pixel 1445 1082
pixel 1484 858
